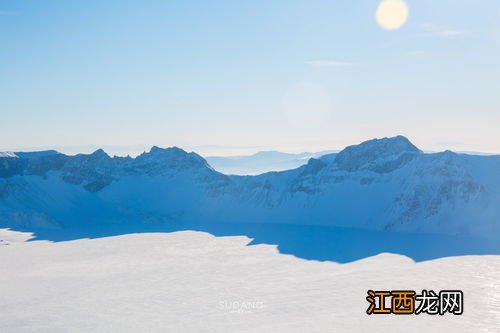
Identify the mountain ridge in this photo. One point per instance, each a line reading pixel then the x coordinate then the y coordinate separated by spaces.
pixel 386 184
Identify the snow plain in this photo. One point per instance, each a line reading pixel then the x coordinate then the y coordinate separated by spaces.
pixel 191 281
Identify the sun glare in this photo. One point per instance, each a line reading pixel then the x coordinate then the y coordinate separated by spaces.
pixel 392 14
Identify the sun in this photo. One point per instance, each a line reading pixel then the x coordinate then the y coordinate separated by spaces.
pixel 392 14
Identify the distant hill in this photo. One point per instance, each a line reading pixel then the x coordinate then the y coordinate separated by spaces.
pixel 261 162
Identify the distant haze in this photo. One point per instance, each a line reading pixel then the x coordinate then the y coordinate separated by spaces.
pixel 261 162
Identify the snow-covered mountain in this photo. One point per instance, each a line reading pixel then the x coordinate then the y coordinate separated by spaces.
pixel 386 184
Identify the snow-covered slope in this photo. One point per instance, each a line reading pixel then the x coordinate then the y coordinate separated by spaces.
pixel 386 184
pixel 195 282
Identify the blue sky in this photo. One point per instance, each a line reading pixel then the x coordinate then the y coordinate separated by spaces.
pixel 240 76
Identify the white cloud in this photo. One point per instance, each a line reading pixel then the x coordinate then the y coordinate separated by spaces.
pixel 330 63
pixel 444 31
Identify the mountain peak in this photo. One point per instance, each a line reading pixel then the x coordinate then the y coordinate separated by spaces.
pixel 173 158
pixel 354 157
pixel 171 150
pixel 98 155
pixel 155 149
pixel 99 152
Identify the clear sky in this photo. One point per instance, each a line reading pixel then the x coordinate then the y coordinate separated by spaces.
pixel 248 75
